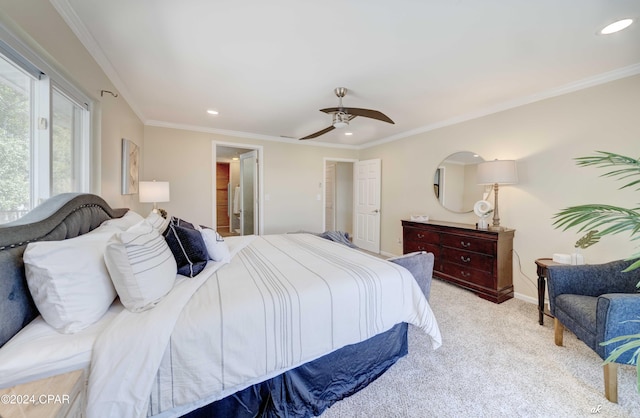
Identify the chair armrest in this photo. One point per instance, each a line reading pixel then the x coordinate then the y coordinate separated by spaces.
pixel 420 265
pixel 592 279
pixel 617 314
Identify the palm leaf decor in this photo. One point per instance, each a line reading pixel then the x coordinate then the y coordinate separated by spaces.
pixel 607 219
pixel 630 342
pixel 588 240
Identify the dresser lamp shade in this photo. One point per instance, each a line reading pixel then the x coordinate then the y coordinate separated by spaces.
pixel 153 192
pixel 497 172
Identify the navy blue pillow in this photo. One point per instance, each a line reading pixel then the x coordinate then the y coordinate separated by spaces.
pixel 188 249
pixel 181 222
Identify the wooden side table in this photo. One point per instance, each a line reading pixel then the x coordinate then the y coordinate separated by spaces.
pixel 61 396
pixel 542 264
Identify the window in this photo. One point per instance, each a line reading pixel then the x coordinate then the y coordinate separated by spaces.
pixel 44 135
pixel 67 146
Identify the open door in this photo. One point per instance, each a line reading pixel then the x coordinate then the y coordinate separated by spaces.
pixel 367 204
pixel 249 193
pixel 330 196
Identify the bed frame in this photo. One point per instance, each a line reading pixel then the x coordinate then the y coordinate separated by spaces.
pixel 302 392
pixel 63 216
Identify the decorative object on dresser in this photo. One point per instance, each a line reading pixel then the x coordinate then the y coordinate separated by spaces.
pixel 480 261
pixel 482 209
pixel 497 172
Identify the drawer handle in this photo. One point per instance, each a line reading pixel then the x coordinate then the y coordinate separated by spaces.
pixel 465 244
pixel 465 274
pixel 420 236
pixel 420 247
pixel 465 259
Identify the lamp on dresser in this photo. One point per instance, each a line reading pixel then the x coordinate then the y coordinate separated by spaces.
pixel 494 173
pixel 154 192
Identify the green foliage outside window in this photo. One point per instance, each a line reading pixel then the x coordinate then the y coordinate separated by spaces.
pixel 14 149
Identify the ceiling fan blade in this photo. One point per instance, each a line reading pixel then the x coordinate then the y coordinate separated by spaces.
pixel 355 111
pixel 317 134
pixel 368 113
pixel 331 109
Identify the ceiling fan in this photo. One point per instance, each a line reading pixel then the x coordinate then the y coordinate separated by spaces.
pixel 343 115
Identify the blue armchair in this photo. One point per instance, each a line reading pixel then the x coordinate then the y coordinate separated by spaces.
pixel 596 302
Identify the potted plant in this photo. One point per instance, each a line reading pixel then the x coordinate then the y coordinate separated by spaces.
pixel 600 220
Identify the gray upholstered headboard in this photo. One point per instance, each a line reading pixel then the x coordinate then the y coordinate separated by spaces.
pixel 63 216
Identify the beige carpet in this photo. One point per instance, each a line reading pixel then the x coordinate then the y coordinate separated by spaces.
pixel 495 361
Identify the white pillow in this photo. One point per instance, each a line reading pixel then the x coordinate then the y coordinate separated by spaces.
pixel 127 221
pixel 216 246
pixel 69 281
pixel 157 222
pixel 141 265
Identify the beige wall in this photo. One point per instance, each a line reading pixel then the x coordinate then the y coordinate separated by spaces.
pixel 543 137
pixel 292 176
pixel 38 25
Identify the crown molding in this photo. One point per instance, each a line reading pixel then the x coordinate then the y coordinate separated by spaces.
pixel 624 72
pixel 246 135
pixel 82 33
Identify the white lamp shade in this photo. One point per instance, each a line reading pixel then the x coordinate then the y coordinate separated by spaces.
pixel 497 171
pixel 153 191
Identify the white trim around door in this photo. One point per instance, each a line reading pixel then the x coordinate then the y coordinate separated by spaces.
pixel 259 149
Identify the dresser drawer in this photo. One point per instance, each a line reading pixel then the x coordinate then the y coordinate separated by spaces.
pixel 469 243
pixel 412 246
pixel 421 235
pixel 476 277
pixel 468 259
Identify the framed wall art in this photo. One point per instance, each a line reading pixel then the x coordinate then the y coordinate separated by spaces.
pixel 130 165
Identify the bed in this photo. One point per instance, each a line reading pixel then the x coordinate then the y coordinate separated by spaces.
pixel 286 325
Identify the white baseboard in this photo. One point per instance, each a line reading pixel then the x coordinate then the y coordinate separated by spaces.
pixel 526 298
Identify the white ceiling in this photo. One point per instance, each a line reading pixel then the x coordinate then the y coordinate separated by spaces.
pixel 268 67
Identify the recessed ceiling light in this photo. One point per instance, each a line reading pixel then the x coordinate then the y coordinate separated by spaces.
pixel 348 133
pixel 616 26
pixel 212 112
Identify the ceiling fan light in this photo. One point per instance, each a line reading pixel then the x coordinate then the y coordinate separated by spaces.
pixel 340 120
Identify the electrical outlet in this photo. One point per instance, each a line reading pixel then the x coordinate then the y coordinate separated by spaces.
pixel 399 240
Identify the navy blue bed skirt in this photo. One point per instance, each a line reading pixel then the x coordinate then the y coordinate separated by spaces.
pixel 311 388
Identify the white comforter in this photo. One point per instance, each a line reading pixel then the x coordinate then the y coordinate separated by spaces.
pixel 284 300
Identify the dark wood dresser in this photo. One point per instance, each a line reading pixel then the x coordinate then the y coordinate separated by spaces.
pixel 474 259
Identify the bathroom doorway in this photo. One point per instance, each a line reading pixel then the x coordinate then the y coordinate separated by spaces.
pixel 237 196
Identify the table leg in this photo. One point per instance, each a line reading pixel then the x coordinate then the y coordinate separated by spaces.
pixel 541 288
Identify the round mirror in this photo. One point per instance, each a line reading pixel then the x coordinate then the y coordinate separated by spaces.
pixel 454 182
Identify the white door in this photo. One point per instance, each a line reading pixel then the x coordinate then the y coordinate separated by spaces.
pixel 330 196
pixel 367 205
pixel 249 193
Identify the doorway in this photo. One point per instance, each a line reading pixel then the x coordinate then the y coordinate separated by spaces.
pixel 237 198
pixel 338 195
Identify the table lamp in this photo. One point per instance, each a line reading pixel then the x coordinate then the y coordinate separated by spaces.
pixel 153 192
pixel 497 172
